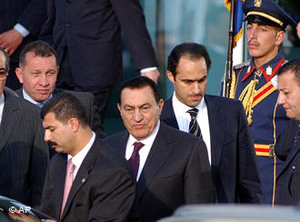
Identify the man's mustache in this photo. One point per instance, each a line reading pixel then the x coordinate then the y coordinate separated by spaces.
pixel 52 143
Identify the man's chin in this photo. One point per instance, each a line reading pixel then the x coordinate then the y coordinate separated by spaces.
pixel 193 103
pixel 58 149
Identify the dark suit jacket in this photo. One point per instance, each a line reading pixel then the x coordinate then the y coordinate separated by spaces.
pixel 288 176
pixel 29 13
pixel 23 153
pixel 91 31
pixel 233 160
pixel 87 100
pixel 103 189
pixel 176 172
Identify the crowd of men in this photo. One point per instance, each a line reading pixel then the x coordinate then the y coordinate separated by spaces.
pixel 192 148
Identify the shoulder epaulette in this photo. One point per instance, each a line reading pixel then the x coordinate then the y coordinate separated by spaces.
pixel 239 66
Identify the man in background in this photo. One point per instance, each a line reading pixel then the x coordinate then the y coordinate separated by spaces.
pixel 20 23
pixel 219 121
pixel 87 38
pixel 37 72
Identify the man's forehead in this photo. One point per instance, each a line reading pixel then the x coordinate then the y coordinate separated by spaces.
pixel 2 58
pixel 32 55
pixel 137 95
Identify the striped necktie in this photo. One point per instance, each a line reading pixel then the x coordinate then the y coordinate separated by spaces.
pixel 194 127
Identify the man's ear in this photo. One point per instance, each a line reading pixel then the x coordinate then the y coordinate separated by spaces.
pixel 74 124
pixel 19 74
pixel 170 76
pixel 119 108
pixel 161 105
pixel 279 37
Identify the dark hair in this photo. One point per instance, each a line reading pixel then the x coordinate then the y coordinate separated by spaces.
pixel 190 50
pixel 138 83
pixel 6 57
pixel 65 106
pixel 39 48
pixel 292 66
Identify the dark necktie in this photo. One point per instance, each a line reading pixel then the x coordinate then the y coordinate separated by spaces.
pixel 194 127
pixel 135 157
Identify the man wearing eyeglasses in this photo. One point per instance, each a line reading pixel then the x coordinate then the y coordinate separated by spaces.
pixel 23 153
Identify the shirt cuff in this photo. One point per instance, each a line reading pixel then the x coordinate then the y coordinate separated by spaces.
pixel 21 29
pixel 148 69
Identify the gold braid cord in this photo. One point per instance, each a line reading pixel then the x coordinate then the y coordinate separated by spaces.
pixel 232 86
pixel 246 98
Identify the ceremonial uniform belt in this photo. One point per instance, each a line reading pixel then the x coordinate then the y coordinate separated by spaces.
pixel 264 149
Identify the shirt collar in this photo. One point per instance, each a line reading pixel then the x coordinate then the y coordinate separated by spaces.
pixel 79 157
pixel 2 99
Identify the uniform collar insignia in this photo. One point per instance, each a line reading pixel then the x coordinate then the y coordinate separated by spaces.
pixel 269 70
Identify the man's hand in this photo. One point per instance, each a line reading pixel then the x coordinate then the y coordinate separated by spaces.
pixel 22 217
pixel 154 75
pixel 10 40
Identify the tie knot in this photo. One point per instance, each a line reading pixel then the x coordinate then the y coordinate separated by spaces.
pixel 193 112
pixel 137 146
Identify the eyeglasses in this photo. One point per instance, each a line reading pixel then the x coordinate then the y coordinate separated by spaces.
pixel 3 73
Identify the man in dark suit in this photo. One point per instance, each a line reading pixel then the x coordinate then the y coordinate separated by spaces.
pixel 171 167
pixel 85 181
pixel 23 153
pixel 20 24
pixel 38 71
pixel 288 145
pixel 222 125
pixel 87 38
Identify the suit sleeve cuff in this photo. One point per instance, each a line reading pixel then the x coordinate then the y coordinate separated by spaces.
pixel 21 29
pixel 148 69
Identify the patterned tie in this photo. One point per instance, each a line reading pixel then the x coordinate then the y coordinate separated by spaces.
pixel 135 157
pixel 68 184
pixel 194 127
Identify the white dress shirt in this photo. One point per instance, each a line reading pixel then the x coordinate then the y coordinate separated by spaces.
pixel 1 106
pixel 183 119
pixel 79 157
pixel 144 151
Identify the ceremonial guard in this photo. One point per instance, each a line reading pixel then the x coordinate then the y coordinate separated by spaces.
pixel 254 83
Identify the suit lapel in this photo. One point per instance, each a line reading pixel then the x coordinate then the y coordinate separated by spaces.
pixel 168 115
pixel 82 174
pixel 216 126
pixel 59 182
pixel 10 118
pixel 160 151
pixel 120 147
